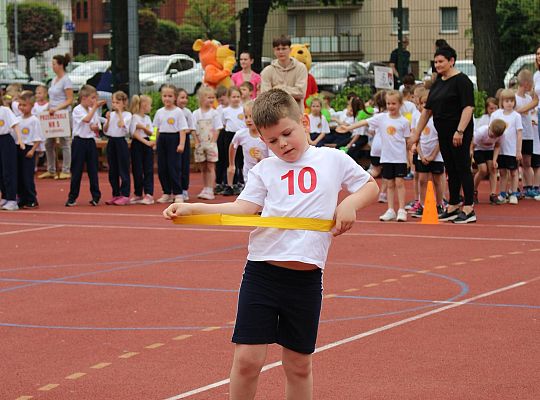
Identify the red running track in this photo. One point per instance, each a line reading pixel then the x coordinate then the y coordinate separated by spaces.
pixel 116 303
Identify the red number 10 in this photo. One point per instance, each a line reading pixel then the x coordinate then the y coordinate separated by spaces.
pixel 301 180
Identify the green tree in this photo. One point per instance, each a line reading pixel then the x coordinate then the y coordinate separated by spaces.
pixel 148 26
pixel 167 37
pixel 214 19
pixel 39 28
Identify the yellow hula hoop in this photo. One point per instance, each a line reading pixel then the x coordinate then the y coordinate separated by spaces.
pixel 309 224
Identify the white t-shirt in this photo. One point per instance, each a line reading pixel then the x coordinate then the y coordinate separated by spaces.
pixel 306 188
pixel 429 139
pixel 137 119
pixel 249 145
pixel 7 121
pixel 392 132
pixel 482 141
pixel 80 128
pixel 189 118
pixel 407 109
pixel 15 108
pixel 204 122
pixel 170 121
pixel 39 108
pixel 31 130
pixel 509 138
pixel 526 119
pixel 318 124
pixel 483 120
pixel 536 78
pixel 57 91
pixel 233 118
pixel 114 129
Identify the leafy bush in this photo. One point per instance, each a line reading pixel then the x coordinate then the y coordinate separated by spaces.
pixel 86 57
pixel 340 101
pixel 479 103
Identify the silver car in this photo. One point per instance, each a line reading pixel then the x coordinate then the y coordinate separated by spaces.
pixel 178 69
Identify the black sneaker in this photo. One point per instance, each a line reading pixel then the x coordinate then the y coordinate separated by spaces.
pixel 440 211
pixel 71 203
pixel 418 213
pixel 237 189
pixel 493 199
pixel 465 218
pixel 32 204
pixel 94 202
pixel 449 216
pixel 219 188
pixel 228 191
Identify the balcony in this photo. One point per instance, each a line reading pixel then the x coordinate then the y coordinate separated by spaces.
pixel 332 47
pixel 317 4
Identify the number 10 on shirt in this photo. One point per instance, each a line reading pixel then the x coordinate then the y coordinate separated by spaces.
pixel 289 176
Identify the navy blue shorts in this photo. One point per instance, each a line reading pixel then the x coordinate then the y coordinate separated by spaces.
pixel 279 305
pixel 507 162
pixel 527 147
pixel 375 161
pixel 483 156
pixel 435 167
pixel 394 170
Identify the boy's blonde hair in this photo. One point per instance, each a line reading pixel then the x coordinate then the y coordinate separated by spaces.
pixel 27 95
pixel 498 127
pixel 524 76
pixel 203 92
pixel 87 90
pixel 135 104
pixel 506 94
pixel 271 106
pixel 248 85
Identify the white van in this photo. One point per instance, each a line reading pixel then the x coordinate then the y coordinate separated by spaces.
pixel 517 65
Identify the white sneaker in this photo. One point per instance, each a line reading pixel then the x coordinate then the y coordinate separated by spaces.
pixel 389 215
pixel 537 198
pixel 382 197
pixel 147 199
pixel 207 194
pixel 401 215
pixel 513 199
pixel 2 202
pixel 165 199
pixel 136 200
pixel 10 205
pixel 178 198
pixel 185 195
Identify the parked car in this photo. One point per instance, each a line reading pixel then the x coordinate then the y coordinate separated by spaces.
pixel 49 73
pixel 178 69
pixel 334 76
pixel 522 62
pixel 9 75
pixel 85 71
pixel 469 69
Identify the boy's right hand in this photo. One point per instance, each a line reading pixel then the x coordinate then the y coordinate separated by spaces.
pixel 176 210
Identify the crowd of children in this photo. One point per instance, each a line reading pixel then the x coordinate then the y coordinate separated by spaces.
pixel 505 148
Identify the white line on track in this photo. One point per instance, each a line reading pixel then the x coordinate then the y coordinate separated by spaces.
pixel 219 229
pixel 42 228
pixel 363 335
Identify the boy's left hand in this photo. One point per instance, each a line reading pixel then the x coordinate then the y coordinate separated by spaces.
pixel 176 210
pixel 345 217
pixel 30 154
pixel 180 148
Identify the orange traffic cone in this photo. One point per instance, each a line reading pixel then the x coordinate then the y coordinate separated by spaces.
pixel 430 215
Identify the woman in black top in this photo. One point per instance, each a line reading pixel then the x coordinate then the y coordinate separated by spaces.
pixel 451 103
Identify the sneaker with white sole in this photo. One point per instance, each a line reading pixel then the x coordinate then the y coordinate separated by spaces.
pixel 178 198
pixel 449 216
pixel 165 198
pixel 389 215
pixel 185 195
pixel 465 218
pixel 513 199
pixel 11 205
pixel 401 215
pixel 2 202
pixel 148 199
pixel 136 200
pixel 207 195
pixel 382 198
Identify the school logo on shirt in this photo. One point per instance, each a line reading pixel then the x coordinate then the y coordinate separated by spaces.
pixel 2 122
pixel 118 124
pixel 391 130
pixel 241 117
pixel 426 131
pixel 170 121
pixel 25 131
pixel 254 152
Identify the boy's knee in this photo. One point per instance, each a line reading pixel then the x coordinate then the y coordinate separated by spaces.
pixel 298 366
pixel 248 363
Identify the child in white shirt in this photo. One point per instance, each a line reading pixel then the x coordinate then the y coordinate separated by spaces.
pixel 252 146
pixel 318 125
pixel 86 127
pixel 117 130
pixel 510 154
pixel 207 122
pixel 182 102
pixel 301 181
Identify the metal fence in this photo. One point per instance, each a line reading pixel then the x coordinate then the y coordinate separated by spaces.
pixel 362 31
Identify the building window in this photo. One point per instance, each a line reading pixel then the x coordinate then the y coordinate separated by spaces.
pixel 106 11
pixel 80 45
pixel 449 20
pixel 343 24
pixel 78 10
pixel 291 25
pixel 85 9
pixel 395 20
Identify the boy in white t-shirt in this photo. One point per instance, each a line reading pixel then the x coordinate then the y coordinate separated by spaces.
pixel 301 181
pixel 253 149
